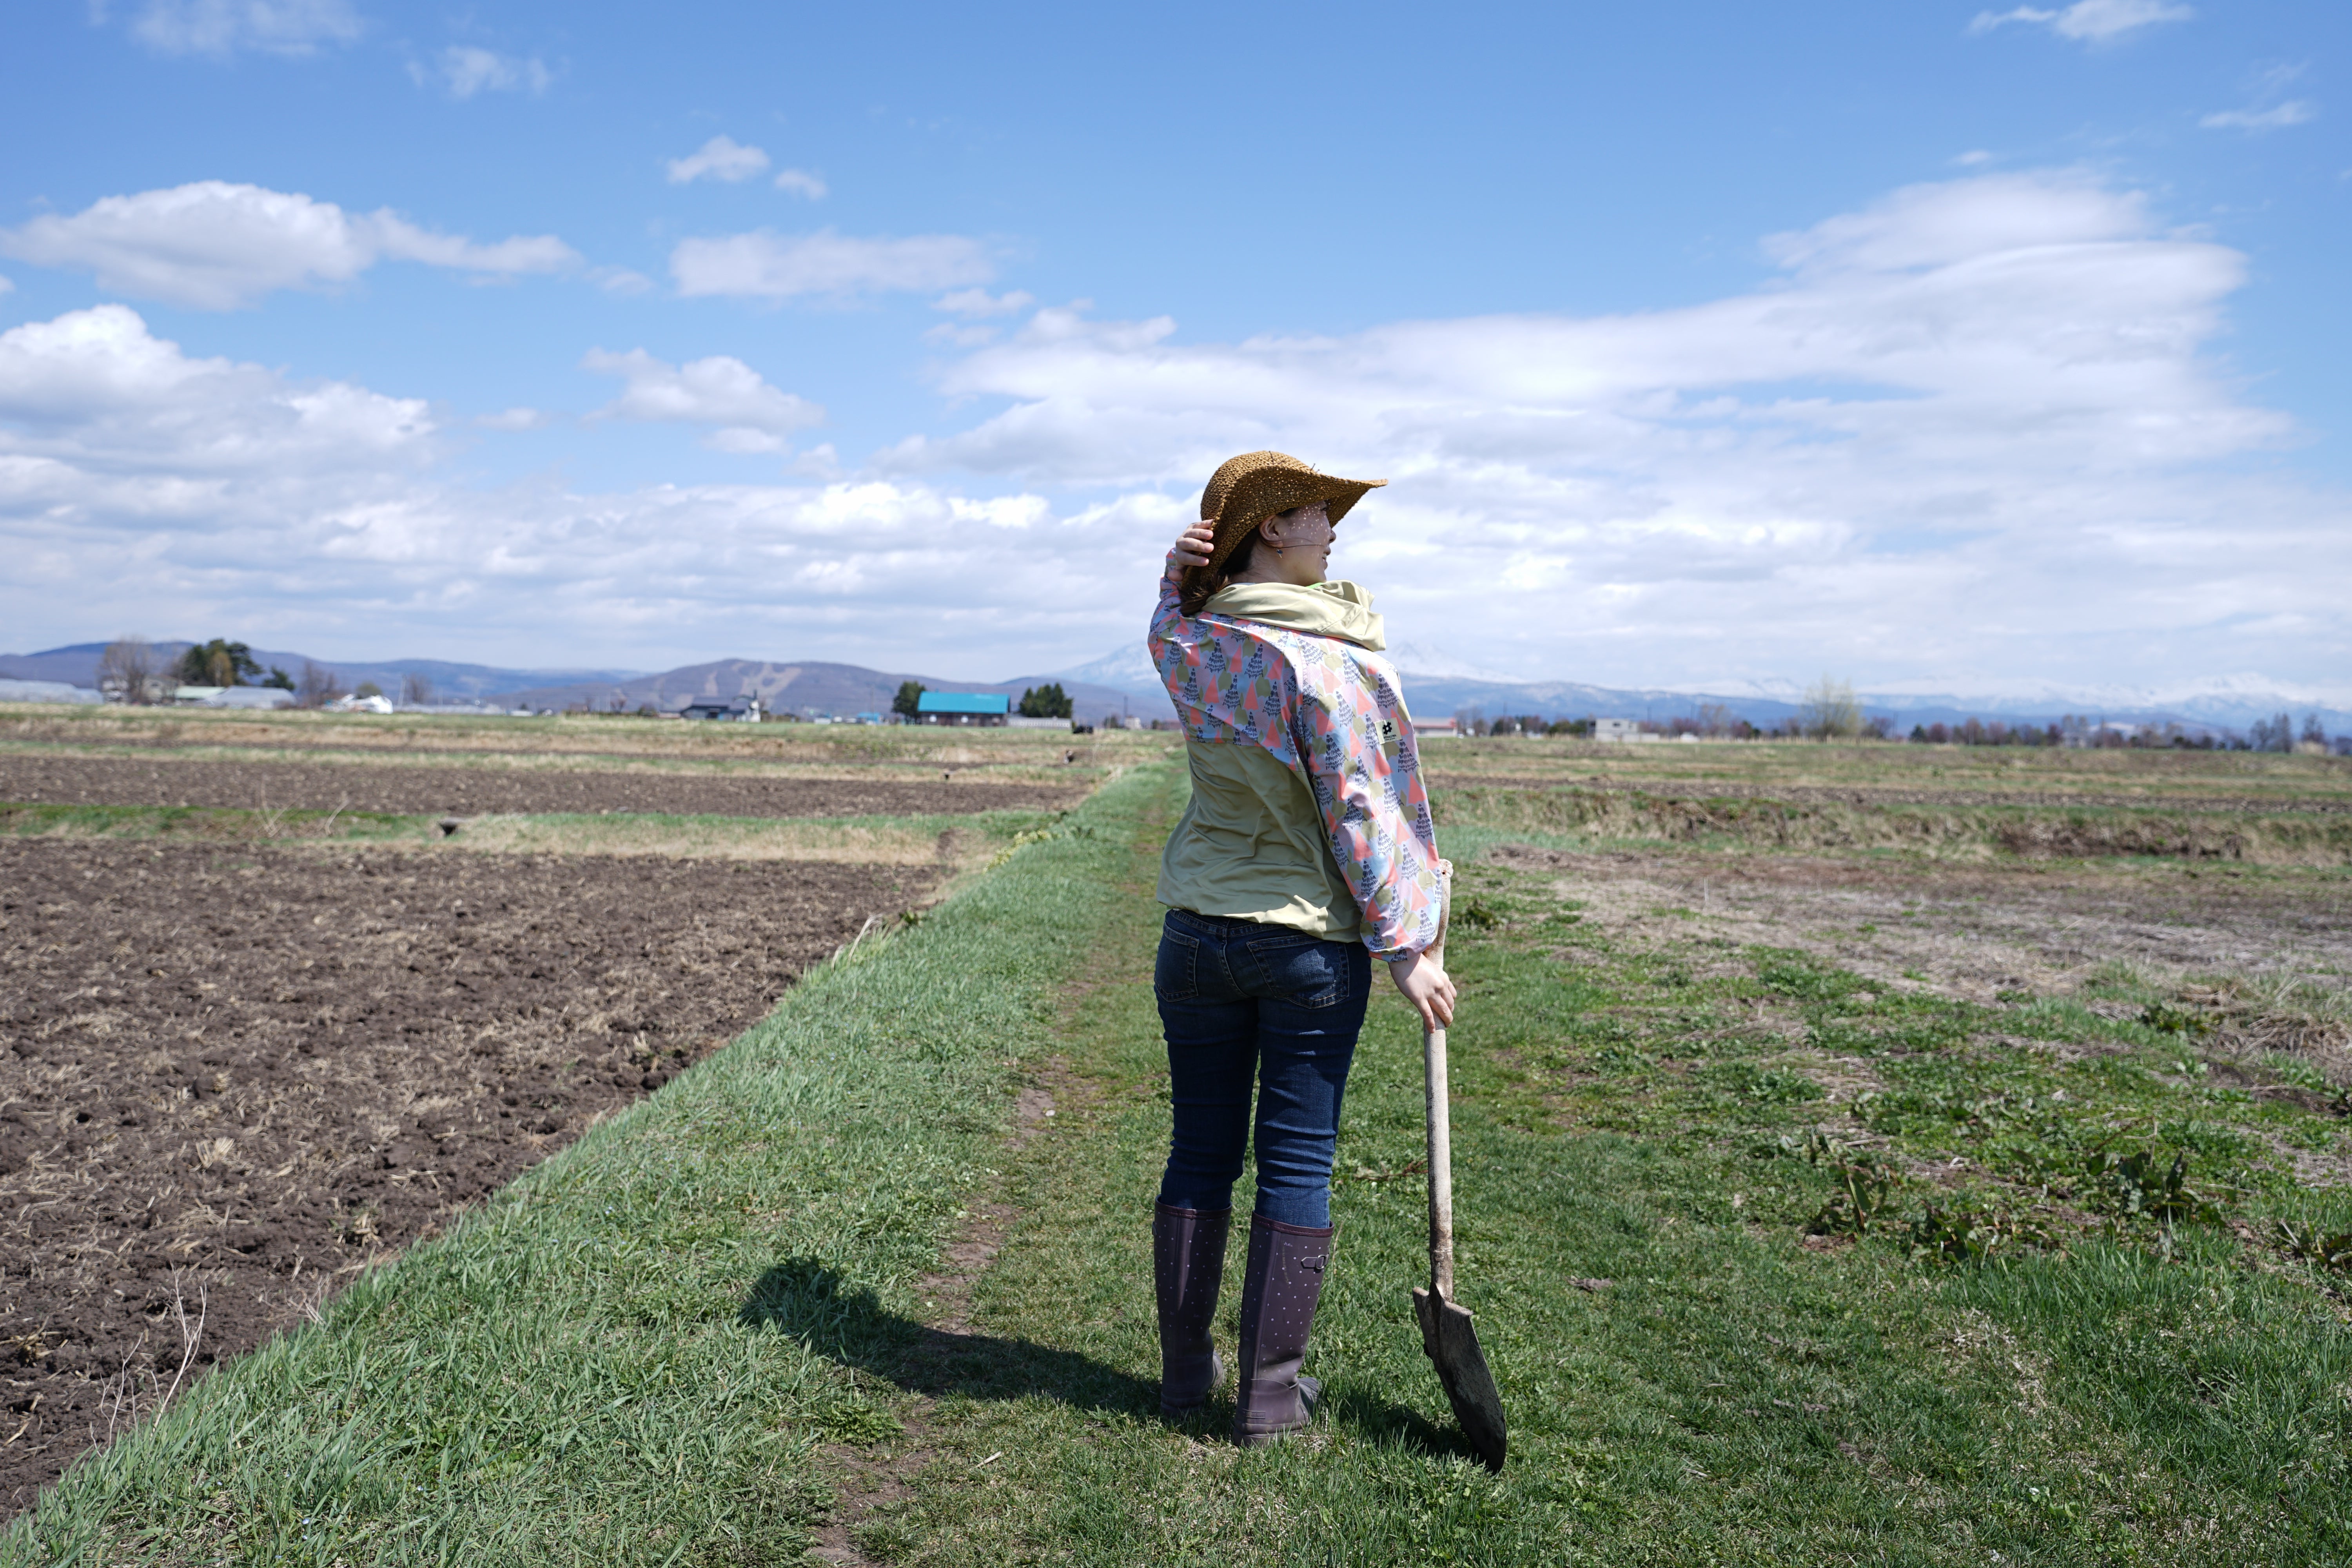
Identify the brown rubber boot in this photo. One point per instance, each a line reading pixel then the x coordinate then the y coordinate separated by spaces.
pixel 1188 1265
pixel 1279 1289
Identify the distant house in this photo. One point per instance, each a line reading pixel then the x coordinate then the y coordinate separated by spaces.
pixel 1616 730
pixel 744 709
pixel 232 697
pixel 990 707
pixel 1430 729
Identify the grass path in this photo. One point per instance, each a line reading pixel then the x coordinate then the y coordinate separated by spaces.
pixel 705 1334
pixel 1689 1381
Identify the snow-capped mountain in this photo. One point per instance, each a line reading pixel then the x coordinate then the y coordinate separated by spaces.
pixel 1437 683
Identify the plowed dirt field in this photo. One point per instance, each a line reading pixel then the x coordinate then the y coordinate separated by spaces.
pixel 229 1077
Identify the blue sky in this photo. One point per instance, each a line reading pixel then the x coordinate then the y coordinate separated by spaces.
pixel 1944 348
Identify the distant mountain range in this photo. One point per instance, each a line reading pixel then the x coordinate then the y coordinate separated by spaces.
pixel 1439 686
pixel 809 688
pixel 1123 681
pixel 78 666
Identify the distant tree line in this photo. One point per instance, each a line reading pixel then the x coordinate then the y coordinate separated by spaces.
pixel 130 671
pixel 1047 701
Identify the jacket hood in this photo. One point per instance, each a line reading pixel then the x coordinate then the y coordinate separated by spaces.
pixel 1339 610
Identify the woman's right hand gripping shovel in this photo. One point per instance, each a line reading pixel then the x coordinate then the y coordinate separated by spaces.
pixel 1446 1332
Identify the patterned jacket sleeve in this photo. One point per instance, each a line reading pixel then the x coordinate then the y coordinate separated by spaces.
pixel 1361 764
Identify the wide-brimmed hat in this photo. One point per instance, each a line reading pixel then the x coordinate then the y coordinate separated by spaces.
pixel 1247 490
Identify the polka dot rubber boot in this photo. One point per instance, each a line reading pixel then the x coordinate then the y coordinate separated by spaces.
pixel 1279 1289
pixel 1188 1264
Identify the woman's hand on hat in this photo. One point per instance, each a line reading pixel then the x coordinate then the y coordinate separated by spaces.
pixel 1425 984
pixel 1195 545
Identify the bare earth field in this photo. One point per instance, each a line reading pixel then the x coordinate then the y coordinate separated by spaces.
pixel 472 792
pixel 230 1077
pixel 1967 931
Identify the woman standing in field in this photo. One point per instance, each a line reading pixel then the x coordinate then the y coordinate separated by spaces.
pixel 1306 853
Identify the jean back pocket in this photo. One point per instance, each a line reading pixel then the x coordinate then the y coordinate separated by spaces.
pixel 1301 970
pixel 1175 973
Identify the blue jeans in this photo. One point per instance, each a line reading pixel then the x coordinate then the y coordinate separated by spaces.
pixel 1249 1005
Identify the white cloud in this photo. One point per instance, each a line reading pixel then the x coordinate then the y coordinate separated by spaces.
pixel 981 302
pixel 720 158
pixel 2270 109
pixel 2093 21
pixel 750 415
pixel 966 335
pixel 767 266
pixel 223 27
pixel 466 69
pixel 1986 393
pixel 5 285
pixel 217 246
pixel 1968 436
pixel 801 183
pixel 517 418
pixel 94 392
pixel 2294 111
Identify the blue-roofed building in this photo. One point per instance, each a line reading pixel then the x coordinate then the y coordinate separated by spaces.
pixel 962 708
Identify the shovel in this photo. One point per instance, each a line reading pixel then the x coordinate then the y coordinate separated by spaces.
pixel 1447 1332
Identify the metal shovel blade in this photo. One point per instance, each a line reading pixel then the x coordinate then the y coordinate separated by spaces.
pixel 1452 1344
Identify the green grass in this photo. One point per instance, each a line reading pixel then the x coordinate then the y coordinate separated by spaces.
pixel 2137 1393
pixel 1743 1306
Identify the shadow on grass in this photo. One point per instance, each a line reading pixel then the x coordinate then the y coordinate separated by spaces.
pixel 847 1323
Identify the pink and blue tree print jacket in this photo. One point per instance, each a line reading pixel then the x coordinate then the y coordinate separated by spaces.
pixel 1333 713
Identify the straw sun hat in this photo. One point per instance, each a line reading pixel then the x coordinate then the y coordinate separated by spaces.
pixel 1247 490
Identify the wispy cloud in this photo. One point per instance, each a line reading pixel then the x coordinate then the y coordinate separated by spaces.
pixel 466 69
pixel 2092 21
pixel 217 246
pixel 2294 111
pixel 223 27
pixel 720 158
pixel 981 302
pixel 516 419
pixel 2270 109
pixel 767 266
pixel 747 414
pixel 801 183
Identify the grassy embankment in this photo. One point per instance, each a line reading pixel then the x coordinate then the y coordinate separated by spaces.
pixel 1774 1264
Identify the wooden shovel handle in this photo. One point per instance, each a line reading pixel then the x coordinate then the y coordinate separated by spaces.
pixel 1441 1131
